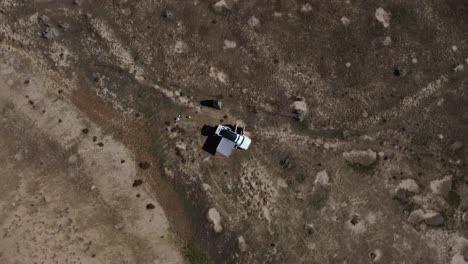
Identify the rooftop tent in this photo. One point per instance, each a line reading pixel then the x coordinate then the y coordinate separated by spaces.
pixel 216 104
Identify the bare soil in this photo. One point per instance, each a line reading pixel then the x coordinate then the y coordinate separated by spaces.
pixel 95 169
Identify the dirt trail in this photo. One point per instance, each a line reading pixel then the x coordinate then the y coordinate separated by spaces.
pixel 143 235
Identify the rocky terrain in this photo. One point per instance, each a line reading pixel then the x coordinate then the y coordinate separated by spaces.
pixel 357 110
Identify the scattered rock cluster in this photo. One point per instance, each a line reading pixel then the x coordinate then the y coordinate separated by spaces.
pixel 440 190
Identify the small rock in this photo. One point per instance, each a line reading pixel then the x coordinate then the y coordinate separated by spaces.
pixel 442 186
pixel 150 206
pixel 465 217
pixel 383 16
pixel 168 14
pixel 387 41
pixel 409 185
pixel 181 145
pixel 459 68
pixel 220 6
pixel 253 21
pixel 361 157
pixel 299 107
pixel 345 21
pixel 215 218
pixel 96 76
pixel 180 47
pixel 206 187
pixel 229 44
pixel 93 187
pixel 440 102
pixel 306 8
pixel 457 145
pixel 322 178
pixel 433 218
pixel 242 244
pixel 119 226
pixel 77 2
pixel 416 217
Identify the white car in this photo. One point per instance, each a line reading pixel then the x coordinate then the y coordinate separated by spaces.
pixel 231 140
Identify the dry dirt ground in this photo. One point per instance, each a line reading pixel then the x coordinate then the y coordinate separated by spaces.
pixel 358 112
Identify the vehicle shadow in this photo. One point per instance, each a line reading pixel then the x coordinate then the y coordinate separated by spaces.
pixel 212 140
